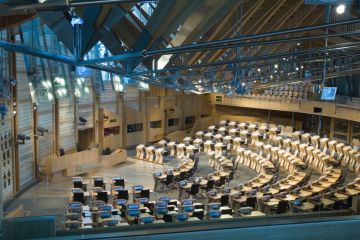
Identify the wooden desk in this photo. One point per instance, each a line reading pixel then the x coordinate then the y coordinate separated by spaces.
pixel 226 216
pixel 215 198
pixel 305 194
pixel 327 202
pixel 340 196
pixel 192 219
pixel 306 206
pixel 253 214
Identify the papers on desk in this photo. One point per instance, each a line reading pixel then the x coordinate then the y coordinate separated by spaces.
pixel 87 221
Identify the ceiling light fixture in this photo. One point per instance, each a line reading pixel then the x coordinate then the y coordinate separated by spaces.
pixel 340 9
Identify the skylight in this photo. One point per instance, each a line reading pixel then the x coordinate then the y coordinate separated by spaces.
pixel 143 11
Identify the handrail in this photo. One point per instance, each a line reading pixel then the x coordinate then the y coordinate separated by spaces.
pixel 181 227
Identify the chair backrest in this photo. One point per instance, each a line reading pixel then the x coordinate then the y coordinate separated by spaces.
pixel 210 184
pixel 75 209
pixel 147 219
pixel 214 214
pixel 119 182
pixel 168 217
pixel 79 196
pixel 133 206
pixel 105 214
pixel 143 200
pixel 224 200
pixel 145 193
pixel 98 182
pixel 98 203
pixel 123 194
pixel 121 202
pixel 161 210
pixel 251 202
pixel 74 216
pixel 72 225
pixel 138 187
pixel 213 206
pixel 133 212
pixel 245 210
pixel 169 179
pixel 187 202
pixel 78 184
pixel 75 204
pixel 111 222
pixel 188 208
pixel 222 180
pixel 181 217
pixel 102 196
pixel 298 202
pixel 282 206
pixel 164 199
pixel 105 207
pixel 195 188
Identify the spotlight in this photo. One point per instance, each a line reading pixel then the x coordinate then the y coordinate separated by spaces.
pixel 259 70
pixel 22 137
pixel 41 130
pixel 340 9
pixel 276 66
pixel 82 120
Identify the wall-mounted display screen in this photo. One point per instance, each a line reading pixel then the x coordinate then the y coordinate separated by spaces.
pixel 328 93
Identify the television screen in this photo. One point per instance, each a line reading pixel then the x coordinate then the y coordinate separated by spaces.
pixel 328 93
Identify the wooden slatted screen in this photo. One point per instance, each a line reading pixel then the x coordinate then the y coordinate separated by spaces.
pixel 6 156
pixel 108 99
pixel 45 143
pixel 67 134
pixel 25 125
pixel 85 108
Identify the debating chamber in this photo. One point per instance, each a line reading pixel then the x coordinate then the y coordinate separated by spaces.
pixel 180 119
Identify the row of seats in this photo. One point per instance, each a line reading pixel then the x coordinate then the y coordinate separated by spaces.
pixel 97 199
pixel 284 154
pixel 119 211
pixel 299 92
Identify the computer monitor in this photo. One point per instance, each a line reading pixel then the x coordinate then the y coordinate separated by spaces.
pixel 328 93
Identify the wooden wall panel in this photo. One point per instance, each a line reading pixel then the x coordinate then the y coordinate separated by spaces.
pixel 86 109
pixel 26 155
pixel 108 98
pixel 25 125
pixel 6 157
pixel 67 134
pixel 45 118
pixel 132 98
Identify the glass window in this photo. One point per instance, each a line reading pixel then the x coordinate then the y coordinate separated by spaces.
pixel 189 119
pixel 155 124
pixel 173 122
pixel 136 127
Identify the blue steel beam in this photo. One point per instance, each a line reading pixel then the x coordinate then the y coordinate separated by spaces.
pixel 14 47
pixel 208 45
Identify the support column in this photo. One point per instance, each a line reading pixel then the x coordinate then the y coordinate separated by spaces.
pixel 56 127
pixel 15 121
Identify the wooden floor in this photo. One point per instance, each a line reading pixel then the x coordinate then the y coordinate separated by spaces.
pixel 50 198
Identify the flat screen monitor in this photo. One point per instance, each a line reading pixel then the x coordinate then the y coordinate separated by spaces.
pixel 328 93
